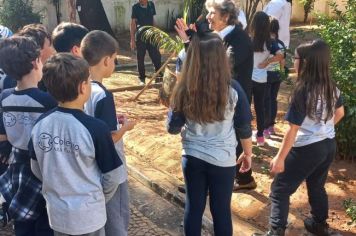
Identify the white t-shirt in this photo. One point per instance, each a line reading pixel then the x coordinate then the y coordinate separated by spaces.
pixel 242 19
pixel 281 10
pixel 260 75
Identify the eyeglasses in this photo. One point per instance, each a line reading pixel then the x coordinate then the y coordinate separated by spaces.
pixel 295 58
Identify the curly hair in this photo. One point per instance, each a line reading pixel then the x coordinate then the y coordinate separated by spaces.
pixel 226 8
pixel 17 55
pixel 37 32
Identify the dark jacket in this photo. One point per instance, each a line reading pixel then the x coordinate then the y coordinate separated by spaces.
pixel 240 51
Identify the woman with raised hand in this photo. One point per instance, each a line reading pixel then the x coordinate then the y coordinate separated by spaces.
pixel 221 18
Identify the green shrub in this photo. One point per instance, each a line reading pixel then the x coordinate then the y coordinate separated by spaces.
pixel 350 208
pixel 17 13
pixel 339 33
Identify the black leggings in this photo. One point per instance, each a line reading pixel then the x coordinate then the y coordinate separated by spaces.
pixel 258 93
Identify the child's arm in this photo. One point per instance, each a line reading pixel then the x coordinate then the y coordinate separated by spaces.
pixel 242 125
pixel 109 183
pixel 339 111
pixel 35 167
pixel 339 114
pixel 127 125
pixel 277 163
pixel 175 122
pixel 245 157
pixel 276 58
pixel 108 161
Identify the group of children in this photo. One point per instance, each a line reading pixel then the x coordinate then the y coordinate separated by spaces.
pixel 63 140
pixel 206 108
pixel 60 134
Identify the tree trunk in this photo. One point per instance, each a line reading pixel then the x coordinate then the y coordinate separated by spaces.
pixel 92 15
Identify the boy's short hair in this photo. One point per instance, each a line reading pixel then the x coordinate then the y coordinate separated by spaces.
pixel 96 45
pixel 37 32
pixel 62 74
pixel 17 54
pixel 67 35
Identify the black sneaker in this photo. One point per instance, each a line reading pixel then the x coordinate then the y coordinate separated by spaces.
pixel 249 186
pixel 272 232
pixel 181 188
pixel 319 229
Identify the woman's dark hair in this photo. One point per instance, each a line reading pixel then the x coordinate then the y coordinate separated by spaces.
pixel 17 55
pixel 314 82
pixel 274 28
pixel 260 32
pixel 202 94
pixel 226 8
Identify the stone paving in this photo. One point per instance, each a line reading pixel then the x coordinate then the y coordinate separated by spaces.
pixel 142 226
pixel 139 226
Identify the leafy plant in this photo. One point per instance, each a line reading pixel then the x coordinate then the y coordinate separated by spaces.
pixel 192 10
pixel 17 13
pixel 161 39
pixel 340 33
pixel 308 7
pixel 350 208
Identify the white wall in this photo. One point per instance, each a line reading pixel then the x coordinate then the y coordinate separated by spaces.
pixel 321 6
pixel 117 11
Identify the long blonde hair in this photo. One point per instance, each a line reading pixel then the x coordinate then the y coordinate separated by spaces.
pixel 203 92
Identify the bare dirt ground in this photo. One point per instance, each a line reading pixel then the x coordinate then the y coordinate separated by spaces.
pixel 153 146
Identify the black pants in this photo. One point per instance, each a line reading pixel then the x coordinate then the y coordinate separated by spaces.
pixel 258 93
pixel 246 177
pixel 38 227
pixel 154 54
pixel 199 177
pixel 271 105
pixel 310 163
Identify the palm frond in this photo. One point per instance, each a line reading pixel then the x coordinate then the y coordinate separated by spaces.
pixel 161 39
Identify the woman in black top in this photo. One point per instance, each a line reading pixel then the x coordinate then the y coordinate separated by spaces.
pixel 222 19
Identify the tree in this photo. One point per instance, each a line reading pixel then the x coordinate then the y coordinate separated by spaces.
pixel 250 9
pixel 92 15
pixel 308 7
pixel 17 13
pixel 192 10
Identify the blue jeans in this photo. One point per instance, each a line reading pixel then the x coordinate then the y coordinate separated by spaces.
pixel 199 177
pixel 310 163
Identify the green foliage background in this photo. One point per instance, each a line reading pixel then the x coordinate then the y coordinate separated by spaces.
pixel 15 14
pixel 340 33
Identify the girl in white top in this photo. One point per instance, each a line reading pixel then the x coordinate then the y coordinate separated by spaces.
pixel 265 52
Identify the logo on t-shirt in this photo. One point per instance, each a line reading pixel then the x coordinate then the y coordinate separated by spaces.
pixel 9 119
pixel 47 143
